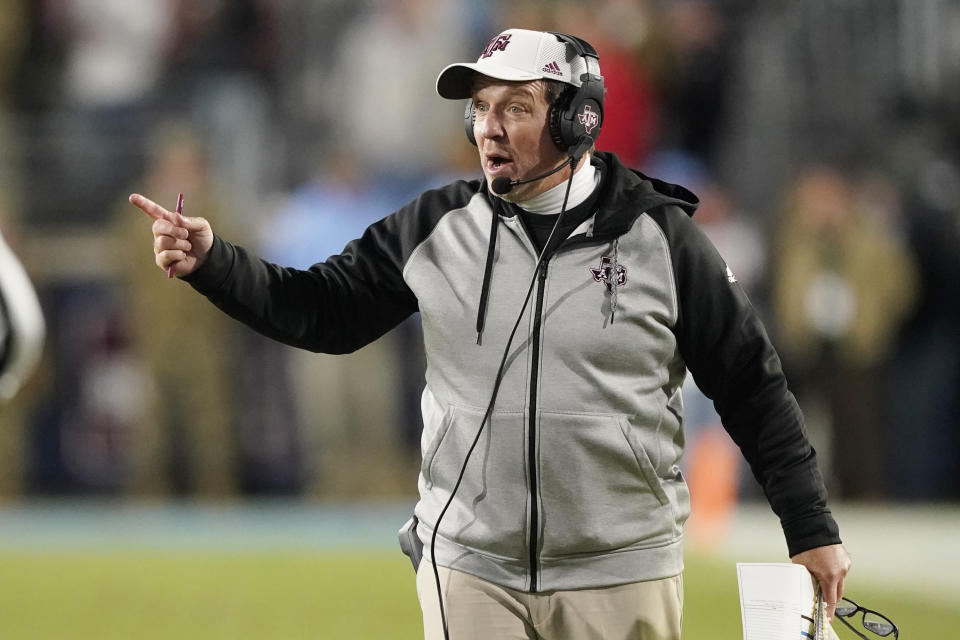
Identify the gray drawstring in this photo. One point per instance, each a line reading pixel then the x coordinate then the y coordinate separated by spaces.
pixel 487 272
pixel 614 280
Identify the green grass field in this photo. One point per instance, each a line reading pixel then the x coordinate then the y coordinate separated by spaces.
pixel 308 594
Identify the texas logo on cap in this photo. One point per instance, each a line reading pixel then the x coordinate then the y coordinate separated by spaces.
pixel 497 44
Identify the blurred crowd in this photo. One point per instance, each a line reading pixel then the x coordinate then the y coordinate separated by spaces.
pixel 823 139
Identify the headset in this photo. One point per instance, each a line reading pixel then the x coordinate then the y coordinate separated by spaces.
pixel 571 114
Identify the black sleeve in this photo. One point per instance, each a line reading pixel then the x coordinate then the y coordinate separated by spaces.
pixel 734 363
pixel 336 306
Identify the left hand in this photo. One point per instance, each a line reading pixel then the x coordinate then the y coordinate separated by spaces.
pixel 829 565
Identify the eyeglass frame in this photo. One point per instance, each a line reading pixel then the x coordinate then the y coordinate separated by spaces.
pixel 842 617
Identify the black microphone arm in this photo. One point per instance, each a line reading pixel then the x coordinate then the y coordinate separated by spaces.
pixel 503 185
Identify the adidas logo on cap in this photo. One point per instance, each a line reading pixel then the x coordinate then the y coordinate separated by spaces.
pixel 553 68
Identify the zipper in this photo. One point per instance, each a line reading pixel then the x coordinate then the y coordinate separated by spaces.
pixel 532 434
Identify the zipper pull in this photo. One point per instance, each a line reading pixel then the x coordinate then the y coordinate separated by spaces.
pixel 543 272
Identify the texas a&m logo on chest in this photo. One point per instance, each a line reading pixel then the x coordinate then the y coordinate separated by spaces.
pixel 608 275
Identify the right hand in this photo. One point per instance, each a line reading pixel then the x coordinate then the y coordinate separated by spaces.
pixel 178 241
pixel 829 565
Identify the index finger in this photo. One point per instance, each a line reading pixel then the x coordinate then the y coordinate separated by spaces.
pixel 152 209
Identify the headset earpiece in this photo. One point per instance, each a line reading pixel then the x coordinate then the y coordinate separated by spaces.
pixel 468 117
pixel 579 110
pixel 560 107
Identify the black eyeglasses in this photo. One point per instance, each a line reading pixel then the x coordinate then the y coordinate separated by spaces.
pixel 874 622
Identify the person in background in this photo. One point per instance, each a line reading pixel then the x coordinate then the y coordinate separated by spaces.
pixel 350 405
pixel 843 286
pixel 186 437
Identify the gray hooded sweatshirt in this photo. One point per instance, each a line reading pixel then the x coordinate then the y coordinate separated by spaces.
pixel 574 481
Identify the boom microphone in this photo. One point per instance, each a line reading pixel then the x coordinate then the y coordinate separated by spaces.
pixel 503 184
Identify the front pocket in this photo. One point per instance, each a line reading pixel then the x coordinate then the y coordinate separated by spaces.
pixel 643 463
pixel 489 512
pixel 599 491
pixel 431 447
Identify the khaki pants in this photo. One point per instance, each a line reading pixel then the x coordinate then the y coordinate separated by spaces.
pixel 479 610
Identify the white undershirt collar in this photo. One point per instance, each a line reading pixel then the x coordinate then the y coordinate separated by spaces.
pixel 585 180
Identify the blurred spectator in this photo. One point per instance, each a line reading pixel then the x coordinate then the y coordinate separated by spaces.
pixel 696 78
pixel 220 73
pixel 382 89
pixel 625 35
pixel 13 38
pixel 322 215
pixel 81 434
pixel 114 52
pixel 843 285
pixel 352 405
pixel 214 37
pixel 186 439
pixel 925 378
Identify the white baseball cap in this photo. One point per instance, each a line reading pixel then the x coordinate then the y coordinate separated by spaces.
pixel 515 54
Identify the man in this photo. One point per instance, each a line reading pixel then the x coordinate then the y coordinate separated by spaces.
pixel 551 463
